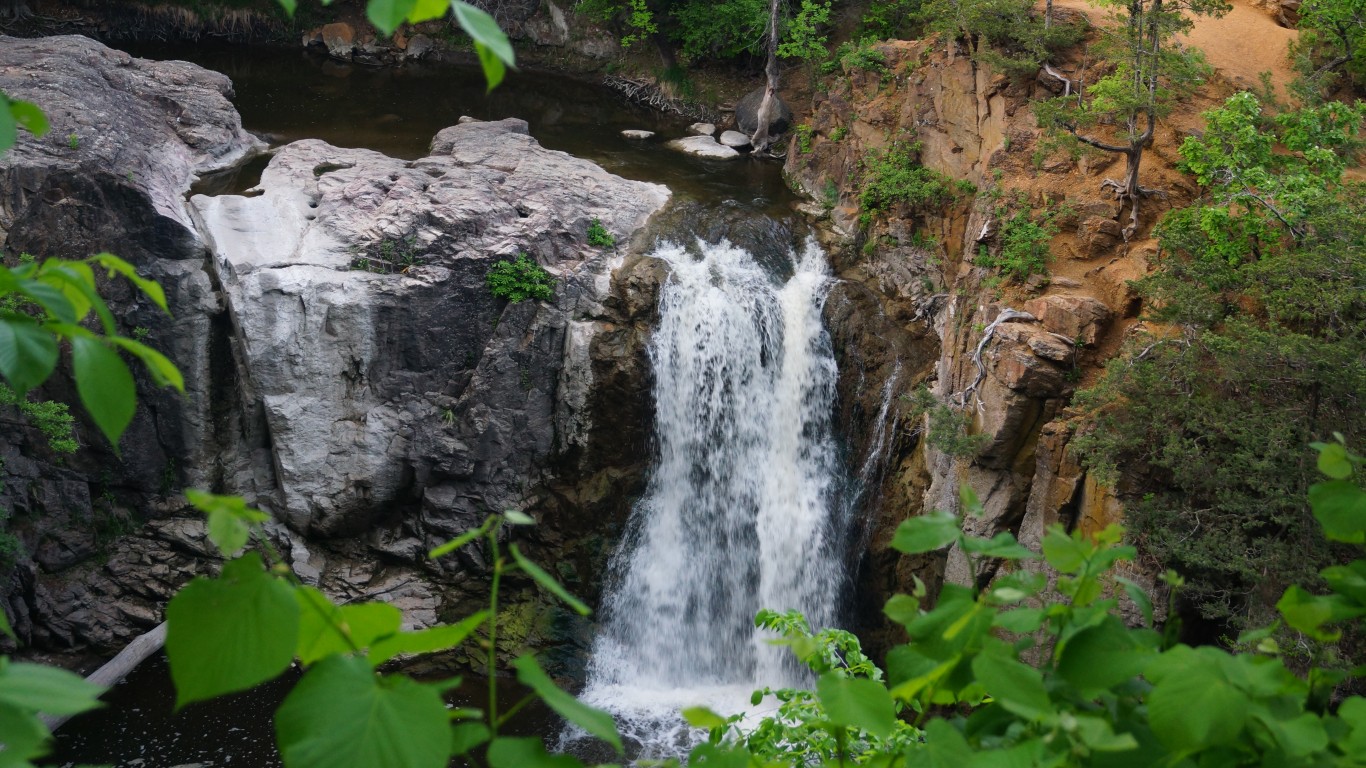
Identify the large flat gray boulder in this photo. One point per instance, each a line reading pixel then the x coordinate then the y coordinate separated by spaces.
pixel 383 364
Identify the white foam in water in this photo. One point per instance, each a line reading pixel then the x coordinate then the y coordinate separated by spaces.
pixel 737 515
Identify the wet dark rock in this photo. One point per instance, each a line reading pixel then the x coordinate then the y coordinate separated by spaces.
pixel 747 113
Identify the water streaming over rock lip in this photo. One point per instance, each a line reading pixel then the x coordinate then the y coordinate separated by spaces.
pixel 739 511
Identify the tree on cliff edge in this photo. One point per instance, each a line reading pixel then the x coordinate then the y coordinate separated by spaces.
pixel 1151 73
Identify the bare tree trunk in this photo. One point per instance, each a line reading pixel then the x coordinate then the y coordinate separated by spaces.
pixel 117 668
pixel 761 140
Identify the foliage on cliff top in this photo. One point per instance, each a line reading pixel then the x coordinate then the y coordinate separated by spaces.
pixel 1260 348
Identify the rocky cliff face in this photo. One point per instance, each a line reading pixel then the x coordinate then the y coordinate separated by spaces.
pixel 346 365
pixel 913 310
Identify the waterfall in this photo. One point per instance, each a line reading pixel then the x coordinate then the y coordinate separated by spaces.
pixel 738 512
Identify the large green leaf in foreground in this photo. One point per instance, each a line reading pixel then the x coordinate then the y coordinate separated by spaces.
pixel 343 715
pixel 230 633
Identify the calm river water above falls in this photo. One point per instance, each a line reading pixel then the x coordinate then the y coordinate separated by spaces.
pixel 756 368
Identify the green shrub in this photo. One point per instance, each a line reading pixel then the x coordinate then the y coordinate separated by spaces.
pixel 946 429
pixel 51 418
pixel 891 19
pixel 894 178
pixel 804 133
pixel 856 56
pixel 599 237
pixel 520 280
pixel 1022 245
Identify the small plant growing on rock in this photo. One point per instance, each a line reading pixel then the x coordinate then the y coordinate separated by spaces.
pixel 599 237
pixel 520 280
pixel 839 133
pixel 804 132
pixel 1023 245
pixel 73 141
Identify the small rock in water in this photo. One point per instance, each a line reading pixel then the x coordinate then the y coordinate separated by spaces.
pixel 703 146
pixel 702 129
pixel 735 139
pixel 637 134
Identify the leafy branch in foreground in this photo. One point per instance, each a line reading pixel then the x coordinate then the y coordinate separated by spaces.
pixel 51 302
pixel 250 623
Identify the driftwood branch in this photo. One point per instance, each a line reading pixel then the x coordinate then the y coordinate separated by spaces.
pixel 117 668
pixel 1006 316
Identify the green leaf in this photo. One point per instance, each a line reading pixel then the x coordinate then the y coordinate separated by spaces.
pixel 490 43
pixel 230 520
pixel 386 15
pixel 494 69
pixel 1062 551
pixel 595 721
pixel 1098 735
pixel 903 609
pixel 29 116
pixel 50 690
pixel 115 265
pixel 289 5
pixel 28 353
pixel 1308 613
pixel 343 715
pixel 1002 545
pixel 467 736
pixel 1298 737
pixel 526 753
pixel 701 717
pixel 51 298
pixel 459 541
pixel 9 132
pixel 426 10
pixel 1192 706
pixel 77 281
pixel 546 580
pixel 926 533
pixel 22 734
pixel 1101 657
pixel 1020 620
pixel 1340 507
pixel 518 517
pixel 426 640
pixel 5 628
pixel 105 386
pixel 1016 686
pixel 1333 460
pixel 230 633
pixel 857 703
pixel 326 629
pixel 946 746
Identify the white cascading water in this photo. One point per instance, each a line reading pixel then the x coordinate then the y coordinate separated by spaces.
pixel 738 512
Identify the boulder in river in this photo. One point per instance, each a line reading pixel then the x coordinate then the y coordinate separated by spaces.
pixel 702 129
pixel 703 146
pixel 735 140
pixel 747 113
pixel 637 135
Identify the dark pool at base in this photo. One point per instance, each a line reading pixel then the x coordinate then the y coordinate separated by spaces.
pixel 139 727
